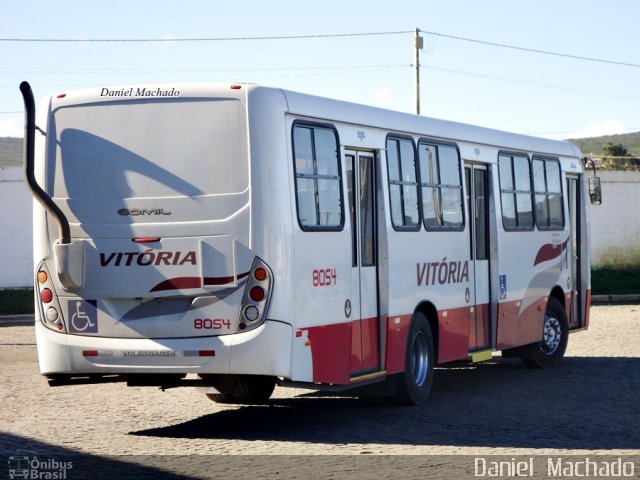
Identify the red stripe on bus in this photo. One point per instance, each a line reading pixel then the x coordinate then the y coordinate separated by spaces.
pixel 334 357
pixel 587 306
pixel 181 283
pixel 333 354
pixel 549 251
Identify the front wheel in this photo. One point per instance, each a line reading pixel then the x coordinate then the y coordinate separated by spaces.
pixel 549 351
pixel 414 384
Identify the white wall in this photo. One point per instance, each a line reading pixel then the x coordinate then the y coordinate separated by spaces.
pixel 615 225
pixel 16 236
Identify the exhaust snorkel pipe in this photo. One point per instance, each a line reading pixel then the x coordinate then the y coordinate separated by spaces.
pixel 29 169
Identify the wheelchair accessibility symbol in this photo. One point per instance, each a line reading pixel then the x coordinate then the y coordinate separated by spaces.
pixel 83 316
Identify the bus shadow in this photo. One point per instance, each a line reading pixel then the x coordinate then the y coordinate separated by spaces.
pixel 586 403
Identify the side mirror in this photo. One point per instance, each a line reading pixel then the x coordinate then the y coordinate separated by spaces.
pixel 595 191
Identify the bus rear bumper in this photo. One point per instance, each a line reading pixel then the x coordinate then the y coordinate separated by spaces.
pixel 263 351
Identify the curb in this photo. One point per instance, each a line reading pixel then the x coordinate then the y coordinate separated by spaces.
pixel 614 299
pixel 17 320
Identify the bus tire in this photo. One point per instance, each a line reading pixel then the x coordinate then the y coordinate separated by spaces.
pixel 245 389
pixel 220 397
pixel 549 351
pixel 414 384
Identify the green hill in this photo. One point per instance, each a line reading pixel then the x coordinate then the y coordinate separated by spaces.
pixel 594 147
pixel 631 141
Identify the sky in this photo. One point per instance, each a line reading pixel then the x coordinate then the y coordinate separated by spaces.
pixel 504 88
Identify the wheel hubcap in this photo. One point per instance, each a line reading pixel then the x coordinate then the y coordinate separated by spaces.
pixel 552 335
pixel 419 358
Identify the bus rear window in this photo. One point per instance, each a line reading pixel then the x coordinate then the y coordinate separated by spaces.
pixel 168 148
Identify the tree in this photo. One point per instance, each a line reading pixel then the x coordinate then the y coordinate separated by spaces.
pixel 617 157
pixel 611 149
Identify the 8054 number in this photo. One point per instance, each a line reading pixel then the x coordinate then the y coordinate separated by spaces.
pixel 212 324
pixel 324 277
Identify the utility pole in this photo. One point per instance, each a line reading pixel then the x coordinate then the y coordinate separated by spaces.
pixel 419 43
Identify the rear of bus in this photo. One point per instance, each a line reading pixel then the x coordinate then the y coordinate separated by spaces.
pixel 158 277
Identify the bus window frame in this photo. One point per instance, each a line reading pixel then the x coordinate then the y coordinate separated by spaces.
pixel 514 191
pixel 553 228
pixel 326 126
pixel 404 228
pixel 421 184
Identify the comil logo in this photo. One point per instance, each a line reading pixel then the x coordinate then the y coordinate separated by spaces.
pixel 142 211
pixel 26 467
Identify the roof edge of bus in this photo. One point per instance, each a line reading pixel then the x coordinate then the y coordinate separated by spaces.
pixel 396 121
pixel 309 105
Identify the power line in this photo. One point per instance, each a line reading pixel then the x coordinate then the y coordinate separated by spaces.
pixel 198 39
pixel 174 69
pixel 533 50
pixel 328 35
pixel 538 84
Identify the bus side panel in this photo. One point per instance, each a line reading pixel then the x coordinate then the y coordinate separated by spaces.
pixel 531 265
pixel 331 353
pixel 319 310
pixel 453 337
pixel 520 326
pixel 320 287
pixel 432 267
pixel 453 334
pixel 397 334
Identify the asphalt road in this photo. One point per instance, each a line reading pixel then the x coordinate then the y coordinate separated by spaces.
pixel 587 406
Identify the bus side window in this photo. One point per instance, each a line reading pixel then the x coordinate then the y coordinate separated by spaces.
pixel 548 194
pixel 515 192
pixel 317 176
pixel 403 184
pixel 441 186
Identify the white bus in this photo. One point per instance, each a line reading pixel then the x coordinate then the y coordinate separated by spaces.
pixel 237 236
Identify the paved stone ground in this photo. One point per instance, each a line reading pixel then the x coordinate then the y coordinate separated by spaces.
pixel 587 406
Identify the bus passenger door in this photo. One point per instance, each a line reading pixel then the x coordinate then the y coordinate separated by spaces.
pixel 476 180
pixel 361 180
pixel 574 312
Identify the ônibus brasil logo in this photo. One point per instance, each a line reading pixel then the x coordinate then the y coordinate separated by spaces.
pixel 26 467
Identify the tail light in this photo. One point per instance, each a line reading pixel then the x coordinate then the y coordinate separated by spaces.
pixel 257 295
pixel 47 301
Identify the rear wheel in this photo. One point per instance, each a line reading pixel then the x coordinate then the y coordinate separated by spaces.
pixel 414 384
pixel 549 351
pixel 247 389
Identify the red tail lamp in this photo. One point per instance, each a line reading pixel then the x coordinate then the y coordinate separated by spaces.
pixel 46 295
pixel 260 274
pixel 257 294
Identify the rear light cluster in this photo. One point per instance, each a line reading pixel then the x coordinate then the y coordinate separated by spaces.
pixel 257 295
pixel 48 301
